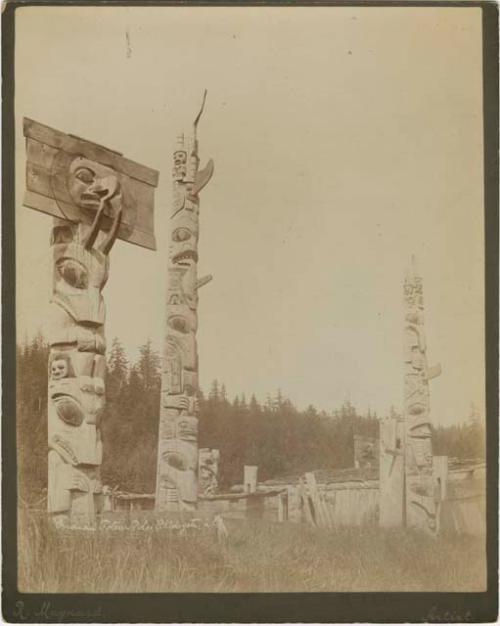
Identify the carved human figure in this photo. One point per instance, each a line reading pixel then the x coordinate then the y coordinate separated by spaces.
pixel 178 437
pixel 420 502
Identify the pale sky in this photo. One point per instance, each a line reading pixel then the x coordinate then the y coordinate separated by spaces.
pixel 344 140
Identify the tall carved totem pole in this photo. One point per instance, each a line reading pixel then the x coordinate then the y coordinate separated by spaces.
pixel 422 498
pixel 176 480
pixel 95 195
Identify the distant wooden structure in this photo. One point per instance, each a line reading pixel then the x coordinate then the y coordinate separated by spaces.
pixel 464 505
pixel 336 498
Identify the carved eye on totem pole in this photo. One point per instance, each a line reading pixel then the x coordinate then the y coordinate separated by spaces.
pixel 179 323
pixel 175 460
pixel 73 272
pixel 68 409
pixel 181 234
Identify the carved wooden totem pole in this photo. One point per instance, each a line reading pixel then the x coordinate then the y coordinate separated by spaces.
pixel 95 196
pixel 421 496
pixel 176 480
pixel 208 471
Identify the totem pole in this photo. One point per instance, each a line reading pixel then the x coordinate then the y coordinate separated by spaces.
pixel 95 196
pixel 208 471
pixel 421 494
pixel 365 452
pixel 176 479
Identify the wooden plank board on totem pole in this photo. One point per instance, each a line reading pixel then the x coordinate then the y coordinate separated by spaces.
pixel 47 147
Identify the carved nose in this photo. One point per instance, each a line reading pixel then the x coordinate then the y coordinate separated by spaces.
pixel 99 191
pixel 105 187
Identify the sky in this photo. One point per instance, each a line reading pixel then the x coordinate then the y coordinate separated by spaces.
pixel 345 139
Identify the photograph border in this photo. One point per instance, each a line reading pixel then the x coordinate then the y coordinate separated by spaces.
pixel 343 607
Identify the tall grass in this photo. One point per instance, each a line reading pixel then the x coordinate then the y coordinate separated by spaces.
pixel 258 557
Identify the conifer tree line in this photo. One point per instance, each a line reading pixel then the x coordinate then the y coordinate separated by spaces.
pixel 274 435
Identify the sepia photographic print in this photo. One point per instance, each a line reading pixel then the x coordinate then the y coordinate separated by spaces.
pixel 250 312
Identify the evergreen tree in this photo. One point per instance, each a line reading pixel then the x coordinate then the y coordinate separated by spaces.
pixel 149 366
pixel 214 391
pixel 277 437
pixel 223 393
pixel 117 374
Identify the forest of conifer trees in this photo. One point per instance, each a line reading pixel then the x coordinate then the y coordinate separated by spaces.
pixel 274 435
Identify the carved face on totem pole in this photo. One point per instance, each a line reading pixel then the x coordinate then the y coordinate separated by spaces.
pixel 89 182
pixel 180 459
pixel 74 179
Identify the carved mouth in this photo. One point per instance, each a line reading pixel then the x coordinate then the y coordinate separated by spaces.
pixel 184 257
pixel 89 200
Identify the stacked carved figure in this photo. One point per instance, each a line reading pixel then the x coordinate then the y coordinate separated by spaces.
pixel 176 484
pixel 77 368
pixel 95 196
pixel 77 365
pixel 422 498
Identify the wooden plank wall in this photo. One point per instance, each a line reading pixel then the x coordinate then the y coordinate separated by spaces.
pixel 333 504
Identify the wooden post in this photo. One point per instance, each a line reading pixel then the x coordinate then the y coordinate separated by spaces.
pixel 319 506
pixel 440 474
pixel 306 503
pixel 283 507
pixel 392 472
pixel 250 478
pixel 294 499
pixel 95 196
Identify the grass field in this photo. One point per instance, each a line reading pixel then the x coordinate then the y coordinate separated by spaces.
pixel 257 557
